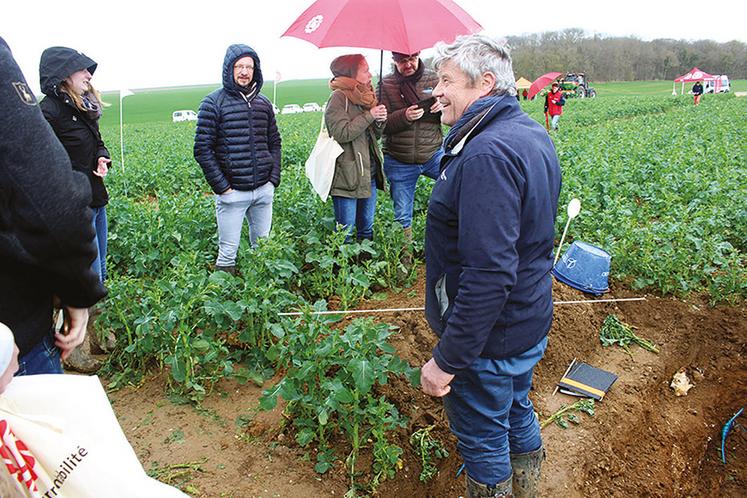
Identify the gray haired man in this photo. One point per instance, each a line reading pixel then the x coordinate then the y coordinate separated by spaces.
pixel 488 252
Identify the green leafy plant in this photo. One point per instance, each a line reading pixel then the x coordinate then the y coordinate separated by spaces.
pixel 616 332
pixel 329 387
pixel 568 413
pixel 428 449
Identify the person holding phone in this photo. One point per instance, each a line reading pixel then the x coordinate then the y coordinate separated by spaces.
pixel 412 136
pixel 355 119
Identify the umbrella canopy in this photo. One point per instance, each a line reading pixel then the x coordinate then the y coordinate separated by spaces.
pixel 405 26
pixel 694 74
pixel 541 83
pixel 522 83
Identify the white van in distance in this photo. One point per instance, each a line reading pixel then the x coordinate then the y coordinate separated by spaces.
pixel 291 109
pixel 177 116
pixel 719 85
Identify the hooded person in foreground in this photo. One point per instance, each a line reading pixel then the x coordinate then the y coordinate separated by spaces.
pixel 46 231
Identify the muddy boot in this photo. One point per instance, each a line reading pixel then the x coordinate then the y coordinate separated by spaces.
pixel 81 360
pixel 406 258
pixel 227 269
pixel 479 490
pixel 526 468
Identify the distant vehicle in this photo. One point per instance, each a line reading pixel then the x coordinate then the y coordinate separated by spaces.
pixel 177 116
pixel 576 85
pixel 311 107
pixel 719 85
pixel 291 109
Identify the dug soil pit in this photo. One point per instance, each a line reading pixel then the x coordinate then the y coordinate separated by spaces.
pixel 642 441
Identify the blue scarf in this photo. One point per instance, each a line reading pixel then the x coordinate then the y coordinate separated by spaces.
pixel 477 108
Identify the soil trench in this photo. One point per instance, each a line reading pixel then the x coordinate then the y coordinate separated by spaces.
pixel 642 440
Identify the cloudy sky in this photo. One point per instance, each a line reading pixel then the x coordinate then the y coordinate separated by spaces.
pixel 140 44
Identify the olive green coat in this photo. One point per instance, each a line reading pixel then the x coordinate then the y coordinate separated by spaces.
pixel 353 127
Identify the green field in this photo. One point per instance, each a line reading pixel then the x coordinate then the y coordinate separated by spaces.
pixel 659 180
pixel 157 104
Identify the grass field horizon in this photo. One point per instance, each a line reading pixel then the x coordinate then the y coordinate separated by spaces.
pixel 150 105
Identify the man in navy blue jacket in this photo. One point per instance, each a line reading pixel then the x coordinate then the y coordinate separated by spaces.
pixel 237 144
pixel 489 242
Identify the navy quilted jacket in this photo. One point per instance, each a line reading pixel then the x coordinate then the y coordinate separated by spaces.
pixel 237 142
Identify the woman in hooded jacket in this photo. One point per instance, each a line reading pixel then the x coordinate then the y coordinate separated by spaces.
pixel 73 108
pixel 356 122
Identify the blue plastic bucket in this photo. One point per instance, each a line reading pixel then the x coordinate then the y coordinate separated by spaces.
pixel 584 267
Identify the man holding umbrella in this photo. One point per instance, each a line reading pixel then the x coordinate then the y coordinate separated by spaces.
pixel 412 136
pixel 489 241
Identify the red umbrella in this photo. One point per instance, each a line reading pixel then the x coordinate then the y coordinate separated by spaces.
pixel 405 26
pixel 541 83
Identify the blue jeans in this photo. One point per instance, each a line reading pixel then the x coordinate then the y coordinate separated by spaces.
pixel 358 212
pixel 100 225
pixel 554 121
pixel 231 209
pixel 403 178
pixel 491 415
pixel 44 358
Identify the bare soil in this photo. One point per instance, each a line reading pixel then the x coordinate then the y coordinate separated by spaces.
pixel 643 440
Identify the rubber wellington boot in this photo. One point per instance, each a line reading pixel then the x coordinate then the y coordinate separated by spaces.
pixel 526 468
pixel 478 490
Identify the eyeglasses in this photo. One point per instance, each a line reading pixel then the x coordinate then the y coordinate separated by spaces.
pixel 248 69
pixel 405 60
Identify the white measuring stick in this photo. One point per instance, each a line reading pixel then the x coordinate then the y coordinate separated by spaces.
pixel 574 207
pixel 394 310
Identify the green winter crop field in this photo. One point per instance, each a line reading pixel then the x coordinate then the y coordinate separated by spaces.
pixel 662 189
pixel 157 104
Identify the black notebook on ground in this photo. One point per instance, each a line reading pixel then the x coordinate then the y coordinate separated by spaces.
pixel 586 381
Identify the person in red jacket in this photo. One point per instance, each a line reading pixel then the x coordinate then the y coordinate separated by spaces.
pixel 554 102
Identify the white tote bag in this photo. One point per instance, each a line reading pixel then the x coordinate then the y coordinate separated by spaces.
pixel 61 433
pixel 320 166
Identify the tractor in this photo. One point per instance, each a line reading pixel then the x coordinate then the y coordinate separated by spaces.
pixel 576 85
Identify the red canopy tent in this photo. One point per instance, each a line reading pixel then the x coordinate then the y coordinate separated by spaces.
pixel 694 74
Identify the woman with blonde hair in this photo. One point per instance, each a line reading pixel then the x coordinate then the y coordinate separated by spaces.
pixel 73 108
pixel 356 121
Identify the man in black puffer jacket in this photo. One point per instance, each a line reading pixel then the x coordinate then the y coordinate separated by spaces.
pixel 46 233
pixel 237 144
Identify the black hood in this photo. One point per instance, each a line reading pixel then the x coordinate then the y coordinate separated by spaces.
pixel 57 63
pixel 234 53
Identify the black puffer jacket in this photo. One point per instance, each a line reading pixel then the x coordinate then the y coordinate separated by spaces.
pixel 237 142
pixel 78 134
pixel 46 234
